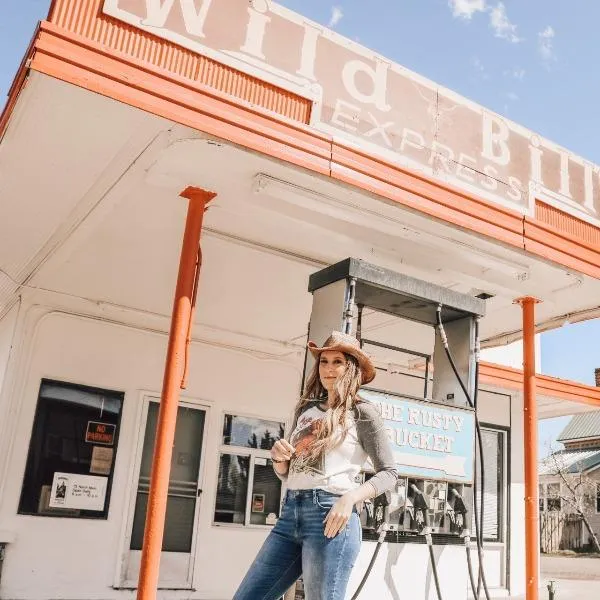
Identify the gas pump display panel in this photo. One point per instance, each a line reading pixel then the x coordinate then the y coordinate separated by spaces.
pixel 433 445
pixel 441 506
pixel 429 440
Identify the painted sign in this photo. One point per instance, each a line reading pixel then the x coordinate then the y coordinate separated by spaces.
pixel 100 433
pixel 374 104
pixel 429 441
pixel 83 492
pixel 258 503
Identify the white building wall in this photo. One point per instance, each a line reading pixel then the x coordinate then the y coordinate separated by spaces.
pixel 517 496
pixel 511 355
pixel 79 558
pixel 7 333
pixel 8 327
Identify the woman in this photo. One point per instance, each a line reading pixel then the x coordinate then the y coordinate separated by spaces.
pixel 333 432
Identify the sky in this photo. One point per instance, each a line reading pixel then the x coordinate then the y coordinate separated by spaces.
pixel 534 61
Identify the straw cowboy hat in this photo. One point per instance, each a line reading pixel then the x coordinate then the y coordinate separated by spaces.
pixel 342 342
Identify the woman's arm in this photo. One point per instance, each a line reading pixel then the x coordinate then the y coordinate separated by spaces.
pixel 281 453
pixel 374 439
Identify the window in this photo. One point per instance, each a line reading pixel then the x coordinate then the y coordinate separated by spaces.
pixel 598 496
pixel 72 452
pixel 553 502
pixel 541 497
pixel 248 491
pixel 550 500
pixel 494 459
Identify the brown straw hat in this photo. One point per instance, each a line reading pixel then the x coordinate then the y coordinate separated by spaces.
pixel 343 342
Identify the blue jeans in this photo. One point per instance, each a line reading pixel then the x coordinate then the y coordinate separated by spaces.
pixel 297 546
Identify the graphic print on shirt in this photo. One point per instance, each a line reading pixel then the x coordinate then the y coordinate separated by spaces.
pixel 303 437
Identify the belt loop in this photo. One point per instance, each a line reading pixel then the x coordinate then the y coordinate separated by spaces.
pixel 314 496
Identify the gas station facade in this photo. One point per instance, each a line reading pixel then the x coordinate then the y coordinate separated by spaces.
pixel 137 132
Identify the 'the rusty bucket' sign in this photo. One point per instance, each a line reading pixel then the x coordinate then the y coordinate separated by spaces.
pixel 375 104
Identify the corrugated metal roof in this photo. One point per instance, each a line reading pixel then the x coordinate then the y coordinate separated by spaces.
pixel 584 425
pixel 571 461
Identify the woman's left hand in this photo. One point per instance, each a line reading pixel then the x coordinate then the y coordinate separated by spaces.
pixel 339 515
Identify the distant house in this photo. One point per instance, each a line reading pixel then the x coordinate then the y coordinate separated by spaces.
pixel 579 460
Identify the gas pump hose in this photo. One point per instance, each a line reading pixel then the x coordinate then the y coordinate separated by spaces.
pixel 381 539
pixel 472 404
pixel 470 566
pixel 436 579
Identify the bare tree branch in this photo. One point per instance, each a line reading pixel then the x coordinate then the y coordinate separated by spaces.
pixel 575 491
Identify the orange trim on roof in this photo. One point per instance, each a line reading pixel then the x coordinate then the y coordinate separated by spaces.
pixel 562 247
pixel 17 85
pixel 507 377
pixel 415 191
pixel 86 64
pixel 86 20
pixel 565 223
pixel 133 81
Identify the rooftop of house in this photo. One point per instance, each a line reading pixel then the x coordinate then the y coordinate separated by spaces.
pixel 584 426
pixel 570 461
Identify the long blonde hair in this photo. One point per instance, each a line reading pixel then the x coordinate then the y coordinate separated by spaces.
pixel 343 401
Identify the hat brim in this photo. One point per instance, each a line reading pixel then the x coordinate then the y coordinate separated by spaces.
pixel 365 364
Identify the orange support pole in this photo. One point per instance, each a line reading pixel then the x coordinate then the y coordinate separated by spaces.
pixel 172 383
pixel 532 561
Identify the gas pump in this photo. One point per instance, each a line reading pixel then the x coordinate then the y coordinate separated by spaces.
pixel 433 431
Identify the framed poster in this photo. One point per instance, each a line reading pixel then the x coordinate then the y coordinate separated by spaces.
pixel 84 492
pixel 102 458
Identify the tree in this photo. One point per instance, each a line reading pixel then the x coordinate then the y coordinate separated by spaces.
pixel 267 441
pixel 577 491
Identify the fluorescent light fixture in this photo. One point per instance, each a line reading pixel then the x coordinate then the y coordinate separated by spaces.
pixel 346 210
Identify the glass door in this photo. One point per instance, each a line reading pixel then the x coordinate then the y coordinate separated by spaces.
pixel 183 500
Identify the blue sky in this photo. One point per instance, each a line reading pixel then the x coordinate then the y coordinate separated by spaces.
pixel 534 61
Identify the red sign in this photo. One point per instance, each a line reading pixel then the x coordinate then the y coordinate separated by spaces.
pixel 100 433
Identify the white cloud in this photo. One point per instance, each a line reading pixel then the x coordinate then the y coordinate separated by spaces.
pixel 465 9
pixel 501 25
pixel 512 96
pixel 336 16
pixel 516 72
pixel 499 21
pixel 546 44
pixel 479 67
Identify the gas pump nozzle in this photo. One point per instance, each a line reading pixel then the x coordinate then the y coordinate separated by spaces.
pixel 421 508
pixel 460 508
pixel 382 514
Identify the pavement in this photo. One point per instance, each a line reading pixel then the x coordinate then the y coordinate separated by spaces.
pixel 576 577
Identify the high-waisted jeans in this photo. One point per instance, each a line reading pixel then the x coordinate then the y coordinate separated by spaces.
pixel 297 546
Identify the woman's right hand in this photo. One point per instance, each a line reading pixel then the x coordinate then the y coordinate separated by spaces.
pixel 282 451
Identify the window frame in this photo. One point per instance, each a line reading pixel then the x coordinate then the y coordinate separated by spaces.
pixel 503 488
pixel 253 454
pixel 92 390
pixel 542 497
pixel 553 498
